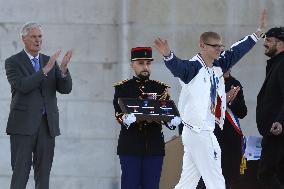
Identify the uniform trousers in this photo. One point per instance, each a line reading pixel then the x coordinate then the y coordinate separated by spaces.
pixel 202 157
pixel 35 150
pixel 140 172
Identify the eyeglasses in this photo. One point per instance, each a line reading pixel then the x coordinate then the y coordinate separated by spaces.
pixel 215 46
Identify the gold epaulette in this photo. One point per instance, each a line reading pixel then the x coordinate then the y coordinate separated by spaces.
pixel 120 82
pixel 162 83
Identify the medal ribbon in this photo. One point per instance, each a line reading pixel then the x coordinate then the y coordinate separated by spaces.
pixel 213 85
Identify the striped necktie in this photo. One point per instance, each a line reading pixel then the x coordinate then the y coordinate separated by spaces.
pixel 36 66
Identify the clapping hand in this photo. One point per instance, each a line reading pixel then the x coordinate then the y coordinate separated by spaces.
pixel 63 66
pixel 49 65
pixel 232 93
pixel 65 61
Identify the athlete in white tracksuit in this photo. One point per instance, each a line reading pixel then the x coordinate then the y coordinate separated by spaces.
pixel 202 83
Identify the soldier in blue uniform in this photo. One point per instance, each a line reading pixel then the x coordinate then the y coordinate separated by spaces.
pixel 141 146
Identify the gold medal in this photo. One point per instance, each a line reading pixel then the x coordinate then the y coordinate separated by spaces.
pixel 212 108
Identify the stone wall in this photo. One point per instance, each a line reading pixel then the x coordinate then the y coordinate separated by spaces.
pixel 101 32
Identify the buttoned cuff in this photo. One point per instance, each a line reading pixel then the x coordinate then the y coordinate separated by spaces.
pixel 168 58
pixel 63 75
pixel 254 37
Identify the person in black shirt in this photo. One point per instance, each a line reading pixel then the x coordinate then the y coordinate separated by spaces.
pixel 270 111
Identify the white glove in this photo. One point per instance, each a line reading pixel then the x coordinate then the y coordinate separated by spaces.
pixel 175 121
pixel 128 119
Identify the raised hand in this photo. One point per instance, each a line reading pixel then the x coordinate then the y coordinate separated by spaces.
pixel 262 22
pixel 51 62
pixel 65 61
pixel 262 19
pixel 162 46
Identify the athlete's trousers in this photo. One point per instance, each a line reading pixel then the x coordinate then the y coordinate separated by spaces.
pixel 202 157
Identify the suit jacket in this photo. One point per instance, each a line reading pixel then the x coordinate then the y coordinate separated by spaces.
pixel 33 93
pixel 270 100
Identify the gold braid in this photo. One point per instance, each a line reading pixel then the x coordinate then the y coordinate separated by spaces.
pixel 165 94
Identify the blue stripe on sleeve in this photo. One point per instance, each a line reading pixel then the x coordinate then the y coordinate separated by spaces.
pixel 186 70
pixel 230 57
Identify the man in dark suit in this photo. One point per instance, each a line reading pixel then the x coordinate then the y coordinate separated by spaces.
pixel 270 111
pixel 33 121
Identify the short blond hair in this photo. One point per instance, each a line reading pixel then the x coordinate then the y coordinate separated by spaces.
pixel 204 37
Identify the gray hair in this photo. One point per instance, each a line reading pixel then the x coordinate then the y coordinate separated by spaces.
pixel 27 27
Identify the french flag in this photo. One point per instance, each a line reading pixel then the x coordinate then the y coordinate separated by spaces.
pixel 229 115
